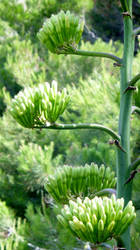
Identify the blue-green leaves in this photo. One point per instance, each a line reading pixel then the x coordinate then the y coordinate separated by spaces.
pixel 61 33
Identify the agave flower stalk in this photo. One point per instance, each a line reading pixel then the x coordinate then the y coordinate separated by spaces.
pixel 123 160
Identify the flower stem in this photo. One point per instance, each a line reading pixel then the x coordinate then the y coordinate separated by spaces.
pixel 80 126
pixel 98 54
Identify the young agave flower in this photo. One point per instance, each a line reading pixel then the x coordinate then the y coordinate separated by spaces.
pixel 61 33
pixel 97 220
pixel 70 182
pixel 39 105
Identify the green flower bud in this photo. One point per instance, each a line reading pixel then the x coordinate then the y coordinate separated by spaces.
pixel 100 225
pixel 94 219
pixel 82 214
pixel 61 33
pixel 102 171
pixel 73 226
pixel 89 231
pixel 62 220
pixel 111 226
pixel 72 204
pixel 100 230
pixel 79 201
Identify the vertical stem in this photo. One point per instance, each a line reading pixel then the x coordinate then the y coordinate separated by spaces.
pixel 123 159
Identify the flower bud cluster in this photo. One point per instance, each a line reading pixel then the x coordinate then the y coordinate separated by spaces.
pixel 81 181
pixel 97 220
pixel 39 105
pixel 61 33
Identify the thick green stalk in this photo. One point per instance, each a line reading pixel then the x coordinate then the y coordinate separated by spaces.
pixel 123 159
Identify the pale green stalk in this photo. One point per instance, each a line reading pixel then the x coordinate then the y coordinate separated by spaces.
pixel 80 126
pixel 97 54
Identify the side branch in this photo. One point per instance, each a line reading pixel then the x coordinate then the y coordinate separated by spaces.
pixel 136 31
pixel 106 191
pixel 97 54
pixel 132 83
pixel 59 126
pixel 134 171
pixel 135 164
pixel 134 80
pixel 135 109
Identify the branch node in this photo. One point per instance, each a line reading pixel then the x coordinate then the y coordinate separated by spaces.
pixel 116 142
pixel 130 88
pixel 132 175
pixel 126 13
pixel 117 64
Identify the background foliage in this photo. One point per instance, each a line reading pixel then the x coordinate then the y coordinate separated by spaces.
pixel 28 156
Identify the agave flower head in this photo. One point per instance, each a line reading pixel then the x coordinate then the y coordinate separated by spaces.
pixel 61 33
pixel 97 220
pixel 39 105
